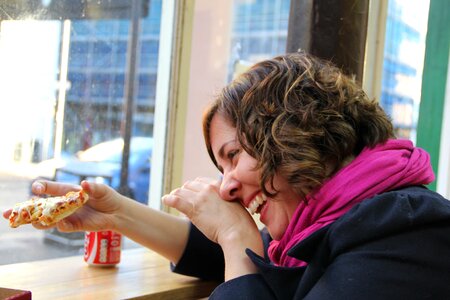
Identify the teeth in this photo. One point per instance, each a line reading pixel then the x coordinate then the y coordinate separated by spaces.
pixel 253 206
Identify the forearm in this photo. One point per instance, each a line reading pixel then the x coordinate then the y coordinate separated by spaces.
pixel 159 231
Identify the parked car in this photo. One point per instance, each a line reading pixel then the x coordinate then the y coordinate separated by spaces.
pixel 102 163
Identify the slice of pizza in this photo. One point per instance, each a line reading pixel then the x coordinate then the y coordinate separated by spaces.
pixel 46 210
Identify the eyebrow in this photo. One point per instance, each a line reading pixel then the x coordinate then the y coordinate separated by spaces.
pixel 222 149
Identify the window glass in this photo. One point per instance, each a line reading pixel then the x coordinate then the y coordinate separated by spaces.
pixel 259 30
pixel 406 27
pixel 63 77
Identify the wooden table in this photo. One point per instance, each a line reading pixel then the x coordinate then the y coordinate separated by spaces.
pixel 142 274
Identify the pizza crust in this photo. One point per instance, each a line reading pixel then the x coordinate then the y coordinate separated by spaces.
pixel 46 211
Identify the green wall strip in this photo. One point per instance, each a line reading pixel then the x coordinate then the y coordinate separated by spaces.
pixel 434 81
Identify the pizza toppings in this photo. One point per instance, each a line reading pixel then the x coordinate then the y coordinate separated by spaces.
pixel 46 210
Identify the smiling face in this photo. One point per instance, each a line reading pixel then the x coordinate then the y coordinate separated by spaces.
pixel 241 180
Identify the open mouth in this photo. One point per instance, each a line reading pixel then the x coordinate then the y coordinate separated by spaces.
pixel 255 205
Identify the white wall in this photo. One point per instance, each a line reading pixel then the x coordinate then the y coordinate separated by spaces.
pixel 208 72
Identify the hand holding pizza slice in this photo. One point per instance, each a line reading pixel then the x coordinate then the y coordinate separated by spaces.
pixel 47 211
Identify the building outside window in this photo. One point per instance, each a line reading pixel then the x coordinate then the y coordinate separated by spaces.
pixel 259 31
pixel 97 66
pixel 404 52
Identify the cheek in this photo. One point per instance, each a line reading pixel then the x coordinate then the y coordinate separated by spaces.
pixel 281 185
pixel 246 169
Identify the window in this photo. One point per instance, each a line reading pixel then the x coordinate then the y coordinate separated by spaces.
pixel 404 50
pixel 63 89
pixel 259 29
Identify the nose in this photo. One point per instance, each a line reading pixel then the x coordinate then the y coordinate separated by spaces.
pixel 229 188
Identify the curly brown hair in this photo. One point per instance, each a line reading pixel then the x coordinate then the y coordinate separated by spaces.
pixel 300 117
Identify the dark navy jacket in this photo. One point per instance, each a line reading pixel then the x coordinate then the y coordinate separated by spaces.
pixel 393 246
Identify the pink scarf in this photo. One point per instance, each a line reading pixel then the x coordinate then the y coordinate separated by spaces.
pixel 386 167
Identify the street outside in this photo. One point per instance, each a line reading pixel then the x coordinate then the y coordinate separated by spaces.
pixel 26 243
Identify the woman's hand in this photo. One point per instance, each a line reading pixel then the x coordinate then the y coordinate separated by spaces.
pixel 219 220
pixel 97 213
pixel 106 209
pixel 224 222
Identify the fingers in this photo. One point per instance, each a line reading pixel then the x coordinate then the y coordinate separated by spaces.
pixel 208 180
pixel 40 187
pixel 201 183
pixel 62 226
pixel 6 213
pixel 42 227
pixel 96 190
pixel 184 199
pixel 175 200
pixel 65 226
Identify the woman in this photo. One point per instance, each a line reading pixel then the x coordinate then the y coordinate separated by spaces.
pixel 345 212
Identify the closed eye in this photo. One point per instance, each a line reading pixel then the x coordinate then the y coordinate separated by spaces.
pixel 232 154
